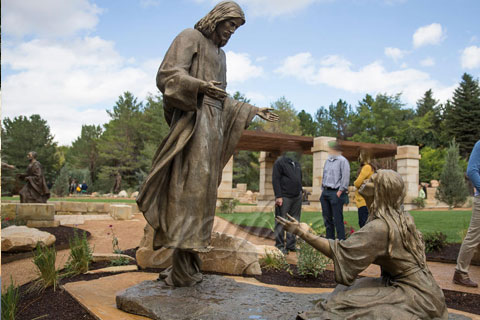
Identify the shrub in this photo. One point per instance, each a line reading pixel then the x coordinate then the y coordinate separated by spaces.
pixel 419 202
pixel 120 261
pixel 274 261
pixel 434 241
pixel 311 262
pixel 7 222
pixel 452 190
pixel 228 205
pixel 80 255
pixel 10 300
pixel 44 259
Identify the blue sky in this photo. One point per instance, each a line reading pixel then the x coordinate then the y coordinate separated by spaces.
pixel 70 60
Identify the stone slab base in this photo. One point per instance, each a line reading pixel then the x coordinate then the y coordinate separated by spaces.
pixel 42 223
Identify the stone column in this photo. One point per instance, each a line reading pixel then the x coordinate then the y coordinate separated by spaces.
pixel 408 167
pixel 266 196
pixel 320 151
pixel 225 190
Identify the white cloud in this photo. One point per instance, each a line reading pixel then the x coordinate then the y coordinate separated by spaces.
pixel 272 8
pixel 48 17
pixel 427 62
pixel 240 67
pixel 372 78
pixel 57 80
pixel 394 53
pixel 470 57
pixel 426 35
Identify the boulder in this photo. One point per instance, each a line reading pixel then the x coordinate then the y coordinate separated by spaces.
pixel 22 238
pixel 134 195
pixel 230 255
pixel 434 183
pixel 121 211
pixel 123 194
pixel 95 194
pixel 35 211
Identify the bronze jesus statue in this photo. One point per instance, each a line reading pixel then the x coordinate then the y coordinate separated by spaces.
pixel 178 197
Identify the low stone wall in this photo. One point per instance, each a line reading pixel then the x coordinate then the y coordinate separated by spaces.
pixel 46 212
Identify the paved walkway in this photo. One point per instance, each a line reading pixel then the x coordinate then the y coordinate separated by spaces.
pixel 130 232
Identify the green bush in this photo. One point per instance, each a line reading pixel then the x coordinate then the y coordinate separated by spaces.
pixel 311 262
pixel 7 222
pixel 434 241
pixel 10 299
pixel 120 261
pixel 228 205
pixel 44 259
pixel 80 255
pixel 419 202
pixel 274 261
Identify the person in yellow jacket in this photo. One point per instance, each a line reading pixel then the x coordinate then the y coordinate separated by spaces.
pixel 365 173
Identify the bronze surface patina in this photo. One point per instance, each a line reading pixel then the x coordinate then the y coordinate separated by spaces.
pixel 179 195
pixel 35 190
pixel 406 290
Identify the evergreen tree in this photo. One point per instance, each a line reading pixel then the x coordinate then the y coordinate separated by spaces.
pixel 463 114
pixel 288 122
pixel 452 189
pixel 21 135
pixel 426 104
pixel 120 144
pixel 84 151
pixel 308 126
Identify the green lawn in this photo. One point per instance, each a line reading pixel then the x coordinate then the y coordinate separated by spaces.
pixel 448 222
pixel 80 199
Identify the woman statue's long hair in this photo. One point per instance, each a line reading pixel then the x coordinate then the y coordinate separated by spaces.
pixel 388 206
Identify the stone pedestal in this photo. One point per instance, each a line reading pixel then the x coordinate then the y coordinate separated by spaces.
pixel 320 151
pixel 121 212
pixel 408 167
pixel 266 196
pixel 35 211
pixel 225 188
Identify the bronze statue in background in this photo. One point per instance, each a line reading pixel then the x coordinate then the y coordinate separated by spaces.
pixel 406 290
pixel 178 197
pixel 36 190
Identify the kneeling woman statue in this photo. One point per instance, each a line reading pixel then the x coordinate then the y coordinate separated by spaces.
pixel 406 290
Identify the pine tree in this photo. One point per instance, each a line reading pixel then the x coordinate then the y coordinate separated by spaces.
pixel 452 189
pixel 426 104
pixel 464 114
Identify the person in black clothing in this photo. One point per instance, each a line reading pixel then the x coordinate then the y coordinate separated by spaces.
pixel 287 185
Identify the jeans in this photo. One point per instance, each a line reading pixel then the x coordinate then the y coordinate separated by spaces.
pixel 292 206
pixel 332 212
pixel 362 216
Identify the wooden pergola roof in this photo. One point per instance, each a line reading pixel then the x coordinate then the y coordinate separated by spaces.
pixel 277 142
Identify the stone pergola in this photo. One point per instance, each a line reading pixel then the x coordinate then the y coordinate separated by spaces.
pixel 272 145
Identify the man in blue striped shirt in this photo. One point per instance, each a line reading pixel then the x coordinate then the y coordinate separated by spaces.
pixel 336 176
pixel 472 239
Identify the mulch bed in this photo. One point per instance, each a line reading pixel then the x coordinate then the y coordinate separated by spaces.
pixel 60 305
pixel 447 254
pixel 62 235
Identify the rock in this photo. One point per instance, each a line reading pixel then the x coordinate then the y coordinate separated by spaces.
pixel 134 195
pixel 231 255
pixel 121 211
pixel 262 250
pixel 9 210
pixel 434 183
pixel 109 257
pixel 114 269
pixel 35 211
pixel 43 223
pixel 22 238
pixel 123 194
pixel 215 297
pixel 98 207
pixel 95 194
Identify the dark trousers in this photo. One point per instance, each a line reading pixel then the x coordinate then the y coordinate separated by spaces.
pixel 362 216
pixel 292 206
pixel 332 212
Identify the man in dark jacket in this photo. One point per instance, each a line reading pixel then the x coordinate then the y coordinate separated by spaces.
pixel 287 185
